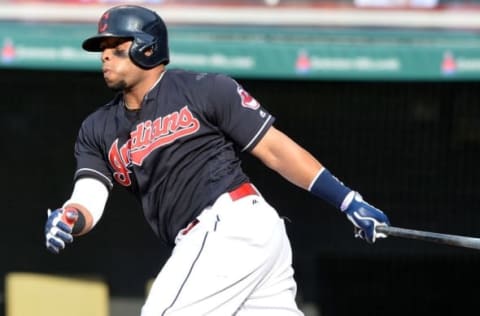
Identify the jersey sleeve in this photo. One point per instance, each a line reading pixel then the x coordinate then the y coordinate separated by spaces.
pixel 89 155
pixel 237 113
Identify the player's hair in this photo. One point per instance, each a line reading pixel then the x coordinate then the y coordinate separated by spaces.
pixel 143 26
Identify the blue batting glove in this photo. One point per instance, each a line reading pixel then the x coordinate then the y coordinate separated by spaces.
pixel 364 217
pixel 58 229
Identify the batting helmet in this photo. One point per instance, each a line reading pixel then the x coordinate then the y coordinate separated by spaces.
pixel 145 27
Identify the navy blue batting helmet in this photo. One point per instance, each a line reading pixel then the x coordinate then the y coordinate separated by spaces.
pixel 143 26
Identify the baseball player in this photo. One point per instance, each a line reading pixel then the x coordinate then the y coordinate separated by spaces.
pixel 172 138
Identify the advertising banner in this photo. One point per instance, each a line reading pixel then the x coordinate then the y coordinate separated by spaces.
pixel 264 52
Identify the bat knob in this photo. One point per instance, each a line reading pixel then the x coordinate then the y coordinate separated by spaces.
pixel 70 216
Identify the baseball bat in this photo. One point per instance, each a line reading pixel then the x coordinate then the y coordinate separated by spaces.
pixel 446 239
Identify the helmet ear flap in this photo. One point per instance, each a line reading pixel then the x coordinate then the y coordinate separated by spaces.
pixel 141 43
pixel 138 52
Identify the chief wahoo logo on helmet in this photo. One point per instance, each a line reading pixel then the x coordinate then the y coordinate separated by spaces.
pixel 103 23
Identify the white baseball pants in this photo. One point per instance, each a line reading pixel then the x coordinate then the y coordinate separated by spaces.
pixel 237 260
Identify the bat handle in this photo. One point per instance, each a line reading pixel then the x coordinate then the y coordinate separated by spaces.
pixel 382 229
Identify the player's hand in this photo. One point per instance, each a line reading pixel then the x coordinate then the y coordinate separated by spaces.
pixel 365 218
pixel 58 229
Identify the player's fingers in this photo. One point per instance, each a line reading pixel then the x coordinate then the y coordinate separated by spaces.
pixel 61 235
pixel 57 222
pixel 52 249
pixel 357 232
pixel 54 244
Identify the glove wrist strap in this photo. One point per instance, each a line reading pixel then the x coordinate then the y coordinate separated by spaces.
pixel 327 187
pixel 348 199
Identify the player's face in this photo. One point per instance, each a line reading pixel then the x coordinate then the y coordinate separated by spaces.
pixel 119 71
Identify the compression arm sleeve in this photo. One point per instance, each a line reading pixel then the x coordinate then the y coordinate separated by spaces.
pixel 89 195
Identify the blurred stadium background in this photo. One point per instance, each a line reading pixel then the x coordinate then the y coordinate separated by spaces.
pixel 385 92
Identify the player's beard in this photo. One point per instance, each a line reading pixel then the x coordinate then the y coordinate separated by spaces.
pixel 117 86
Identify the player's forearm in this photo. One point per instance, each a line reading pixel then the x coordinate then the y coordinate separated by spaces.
pixel 287 158
pixel 297 165
pixel 89 197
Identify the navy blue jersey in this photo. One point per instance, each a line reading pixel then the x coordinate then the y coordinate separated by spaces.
pixel 180 151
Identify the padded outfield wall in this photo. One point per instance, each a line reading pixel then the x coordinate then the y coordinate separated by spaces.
pixel 411 148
